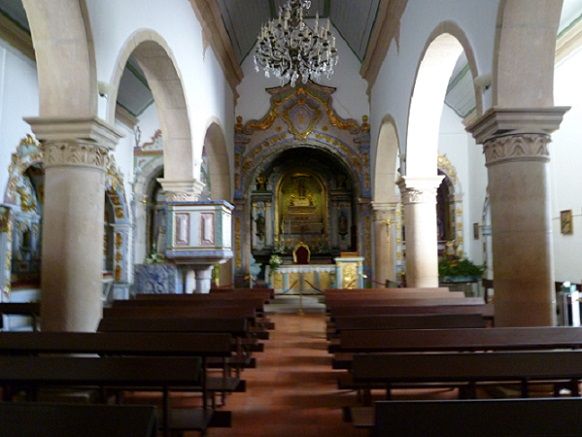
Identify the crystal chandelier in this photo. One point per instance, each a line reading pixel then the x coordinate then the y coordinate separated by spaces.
pixel 289 49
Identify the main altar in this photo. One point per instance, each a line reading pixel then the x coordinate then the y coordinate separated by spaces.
pixel 303 279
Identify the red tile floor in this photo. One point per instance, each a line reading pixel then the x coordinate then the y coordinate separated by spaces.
pixel 293 390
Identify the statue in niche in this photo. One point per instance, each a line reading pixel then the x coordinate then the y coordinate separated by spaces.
pixel 261 183
pixel 342 225
pixel 303 197
pixel 260 225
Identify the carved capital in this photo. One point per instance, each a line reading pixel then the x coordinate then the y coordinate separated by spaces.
pixel 419 190
pixel 517 147
pixel 71 153
pixel 182 191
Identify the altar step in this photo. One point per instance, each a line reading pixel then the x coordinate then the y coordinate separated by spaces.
pixel 292 303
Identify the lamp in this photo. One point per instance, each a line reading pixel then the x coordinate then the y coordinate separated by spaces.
pixel 290 50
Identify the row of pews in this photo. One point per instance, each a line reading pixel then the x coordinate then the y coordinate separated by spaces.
pixel 164 344
pixel 385 340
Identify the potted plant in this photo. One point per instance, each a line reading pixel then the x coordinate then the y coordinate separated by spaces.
pixel 456 269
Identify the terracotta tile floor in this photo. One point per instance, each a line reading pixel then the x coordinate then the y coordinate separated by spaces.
pixel 293 390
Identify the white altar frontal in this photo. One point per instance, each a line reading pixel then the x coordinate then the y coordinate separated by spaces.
pixel 314 278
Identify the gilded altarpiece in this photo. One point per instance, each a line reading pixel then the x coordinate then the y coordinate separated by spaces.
pixel 282 198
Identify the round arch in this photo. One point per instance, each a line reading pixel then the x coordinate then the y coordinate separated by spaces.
pixel 218 162
pixel 60 30
pixel 155 58
pixel 384 189
pixel 433 73
pixel 525 50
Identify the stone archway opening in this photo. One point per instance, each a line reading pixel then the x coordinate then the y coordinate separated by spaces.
pixel 302 195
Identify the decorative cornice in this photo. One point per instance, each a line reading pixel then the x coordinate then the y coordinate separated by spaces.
pixel 503 121
pixel 386 28
pixel 208 13
pixel 419 189
pixel 518 147
pixel 17 37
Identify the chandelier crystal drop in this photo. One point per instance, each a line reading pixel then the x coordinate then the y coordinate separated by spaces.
pixel 290 50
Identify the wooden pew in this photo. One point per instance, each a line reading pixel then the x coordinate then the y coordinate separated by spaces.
pixel 206 346
pixel 466 370
pixel 486 310
pixel 31 419
pixel 28 309
pixel 479 418
pixel 159 374
pixel 458 340
pixel 404 321
pixel 332 306
pixel 238 327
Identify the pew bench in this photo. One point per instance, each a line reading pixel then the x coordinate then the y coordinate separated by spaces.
pixel 30 419
pixel 478 418
pixel 32 373
pixel 27 309
pixel 403 321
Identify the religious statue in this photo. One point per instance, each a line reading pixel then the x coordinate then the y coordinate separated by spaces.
pixel 261 183
pixel 260 225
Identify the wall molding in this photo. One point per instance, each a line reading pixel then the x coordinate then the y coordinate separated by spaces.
pixel 16 36
pixel 208 13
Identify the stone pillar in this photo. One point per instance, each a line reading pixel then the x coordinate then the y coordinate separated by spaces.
pixel 76 153
pixel 189 286
pixel 419 201
pixel 203 279
pixel 384 242
pixel 515 143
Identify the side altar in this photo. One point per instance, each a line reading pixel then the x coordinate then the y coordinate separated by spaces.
pixel 314 278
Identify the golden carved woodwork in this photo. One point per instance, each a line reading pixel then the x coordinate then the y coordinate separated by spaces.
pixel 301 207
pixel 349 275
pixel 237 245
pixel 285 98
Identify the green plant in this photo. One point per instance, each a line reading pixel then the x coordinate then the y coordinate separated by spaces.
pixel 275 261
pixel 459 267
pixel 155 258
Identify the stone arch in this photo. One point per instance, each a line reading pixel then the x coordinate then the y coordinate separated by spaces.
pixel 144 183
pixel 525 49
pixel 60 31
pixel 159 66
pixel 436 64
pixel 386 162
pixel 446 167
pixel 115 193
pixel 265 157
pixel 27 155
pixel 218 162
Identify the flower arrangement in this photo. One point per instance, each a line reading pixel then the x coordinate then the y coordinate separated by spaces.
pixel 275 261
pixel 455 266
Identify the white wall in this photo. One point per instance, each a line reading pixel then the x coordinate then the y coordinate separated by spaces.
pixel 350 99
pixel 566 169
pixel 208 95
pixel 18 98
pixel 394 85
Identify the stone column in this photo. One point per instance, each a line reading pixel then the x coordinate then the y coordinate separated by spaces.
pixel 203 278
pixel 515 143
pixel 384 242
pixel 419 201
pixel 76 153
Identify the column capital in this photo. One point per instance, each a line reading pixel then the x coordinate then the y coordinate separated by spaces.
pixel 508 121
pixel 76 142
pixel 419 189
pixel 182 190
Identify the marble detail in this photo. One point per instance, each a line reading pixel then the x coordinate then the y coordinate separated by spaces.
pixel 156 278
pixel 522 147
pixel 182 190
